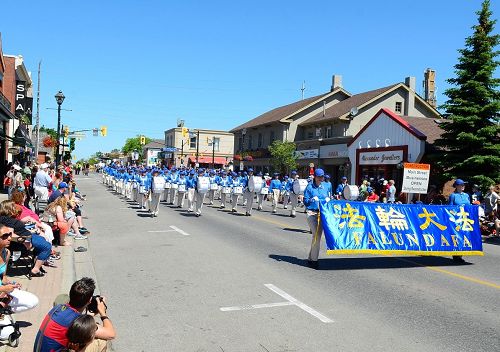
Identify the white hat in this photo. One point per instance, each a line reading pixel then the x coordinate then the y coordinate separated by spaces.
pixel 44 166
pixel 17 167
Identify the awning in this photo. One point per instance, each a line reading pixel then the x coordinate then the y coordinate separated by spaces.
pixel 21 137
pixel 208 160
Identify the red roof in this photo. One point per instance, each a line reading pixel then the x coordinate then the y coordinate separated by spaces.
pixel 398 119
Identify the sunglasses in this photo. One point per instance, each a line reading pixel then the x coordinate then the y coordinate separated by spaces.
pixel 5 236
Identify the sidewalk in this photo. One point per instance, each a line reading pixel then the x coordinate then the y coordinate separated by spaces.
pixel 71 267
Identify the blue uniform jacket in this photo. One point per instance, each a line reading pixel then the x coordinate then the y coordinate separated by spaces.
pixel 312 191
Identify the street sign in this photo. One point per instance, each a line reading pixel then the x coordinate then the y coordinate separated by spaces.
pixel 77 135
pixel 416 178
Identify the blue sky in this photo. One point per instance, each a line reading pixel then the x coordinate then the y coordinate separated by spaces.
pixel 138 66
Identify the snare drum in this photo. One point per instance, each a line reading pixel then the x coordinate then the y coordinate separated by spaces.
pixel 226 190
pixel 142 189
pixel 175 185
pixel 168 185
pixel 134 185
pixel 299 186
pixel 203 184
pixel 351 192
pixel 264 190
pixel 182 188
pixel 255 184
pixel 214 186
pixel 238 190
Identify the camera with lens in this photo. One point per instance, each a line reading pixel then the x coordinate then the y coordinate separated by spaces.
pixel 92 307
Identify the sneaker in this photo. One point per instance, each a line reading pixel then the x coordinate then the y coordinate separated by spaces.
pixel 83 231
pixel 70 233
pixel 80 237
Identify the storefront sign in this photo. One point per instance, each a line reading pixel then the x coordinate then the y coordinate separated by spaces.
pixel 333 151
pixel 381 158
pixel 152 157
pixel 416 178
pixel 307 154
pixel 20 98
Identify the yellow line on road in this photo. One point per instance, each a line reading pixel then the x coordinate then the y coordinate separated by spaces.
pixel 451 273
pixel 280 224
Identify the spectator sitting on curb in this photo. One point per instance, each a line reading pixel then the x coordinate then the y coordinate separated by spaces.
pixel 53 332
pixel 81 333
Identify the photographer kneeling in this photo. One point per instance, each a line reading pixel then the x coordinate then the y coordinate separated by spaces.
pixel 52 333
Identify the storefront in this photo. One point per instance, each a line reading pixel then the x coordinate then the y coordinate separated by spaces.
pixel 382 146
pixel 335 161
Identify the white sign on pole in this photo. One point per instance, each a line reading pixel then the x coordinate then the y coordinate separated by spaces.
pixel 416 178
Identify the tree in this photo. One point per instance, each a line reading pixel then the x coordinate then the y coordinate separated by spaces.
pixel 470 143
pixel 283 157
pixel 132 144
pixel 50 131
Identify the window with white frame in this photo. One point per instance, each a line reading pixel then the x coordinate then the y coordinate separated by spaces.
pixel 192 142
pixel 328 132
pixel 215 142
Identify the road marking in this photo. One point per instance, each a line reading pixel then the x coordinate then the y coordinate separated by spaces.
pixel 451 273
pixel 257 306
pixel 290 301
pixel 175 228
pixel 160 231
pixel 280 224
pixel 299 304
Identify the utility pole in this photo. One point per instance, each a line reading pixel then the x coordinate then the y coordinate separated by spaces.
pixel 37 126
pixel 197 147
pixel 182 152
pixel 303 89
pixel 213 152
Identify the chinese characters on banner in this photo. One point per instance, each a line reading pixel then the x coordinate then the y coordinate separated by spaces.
pixel 414 229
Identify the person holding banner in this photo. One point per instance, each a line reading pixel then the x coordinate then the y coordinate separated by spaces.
pixel 459 197
pixel 315 192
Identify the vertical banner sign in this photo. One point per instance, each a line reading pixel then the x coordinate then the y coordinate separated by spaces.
pixel 416 178
pixel 403 229
pixel 20 98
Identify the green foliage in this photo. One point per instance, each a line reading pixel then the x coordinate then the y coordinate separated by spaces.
pixel 471 139
pixel 134 143
pixel 50 131
pixel 283 157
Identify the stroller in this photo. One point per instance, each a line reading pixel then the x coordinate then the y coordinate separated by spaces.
pixel 9 328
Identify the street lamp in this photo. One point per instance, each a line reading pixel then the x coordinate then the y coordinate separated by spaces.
pixel 59 99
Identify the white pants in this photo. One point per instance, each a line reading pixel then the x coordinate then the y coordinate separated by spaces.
pixel 249 200
pixel 260 200
pixel 200 197
pixel 234 200
pixel 276 196
pixel 317 232
pixel 22 301
pixel 172 195
pixel 42 192
pixel 294 199
pixel 286 198
pixel 166 195
pixel 154 203
pixel 180 199
pixel 211 196
pixel 134 194
pixel 143 200
pixel 223 200
pixel 190 197
pixel 48 234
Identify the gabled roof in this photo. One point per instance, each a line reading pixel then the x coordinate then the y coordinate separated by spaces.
pixel 155 144
pixel 344 107
pixel 286 111
pixel 398 119
pixel 430 127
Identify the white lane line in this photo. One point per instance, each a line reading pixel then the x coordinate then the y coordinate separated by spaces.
pixel 299 304
pixel 257 306
pixel 160 231
pixel 175 228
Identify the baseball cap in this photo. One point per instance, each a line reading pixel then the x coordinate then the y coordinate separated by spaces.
pixel 319 172
pixel 63 185
pixel 44 166
pixel 344 178
pixel 458 182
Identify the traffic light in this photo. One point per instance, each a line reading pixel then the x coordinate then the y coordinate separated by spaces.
pixel 185 132
pixel 66 131
pixel 143 140
pixel 104 131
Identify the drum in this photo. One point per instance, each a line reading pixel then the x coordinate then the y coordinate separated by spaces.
pixel 203 184
pixel 175 185
pixel 238 190
pixel 142 189
pixel 214 186
pixel 182 188
pixel 226 190
pixel 168 185
pixel 299 186
pixel 350 192
pixel 255 184
pixel 158 184
pixel 134 185
pixel 264 190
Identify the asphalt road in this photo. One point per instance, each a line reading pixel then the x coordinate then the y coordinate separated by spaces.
pixel 225 282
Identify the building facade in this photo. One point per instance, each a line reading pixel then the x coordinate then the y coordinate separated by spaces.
pixel 324 125
pixel 207 148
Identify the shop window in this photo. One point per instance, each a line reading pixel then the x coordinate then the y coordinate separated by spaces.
pixel 214 143
pixel 259 140
pixel 328 132
pixel 250 142
pixel 271 137
pixel 310 134
pixel 399 107
pixel 240 143
pixel 192 143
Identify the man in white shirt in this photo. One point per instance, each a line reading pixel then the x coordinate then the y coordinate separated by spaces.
pixel 41 182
